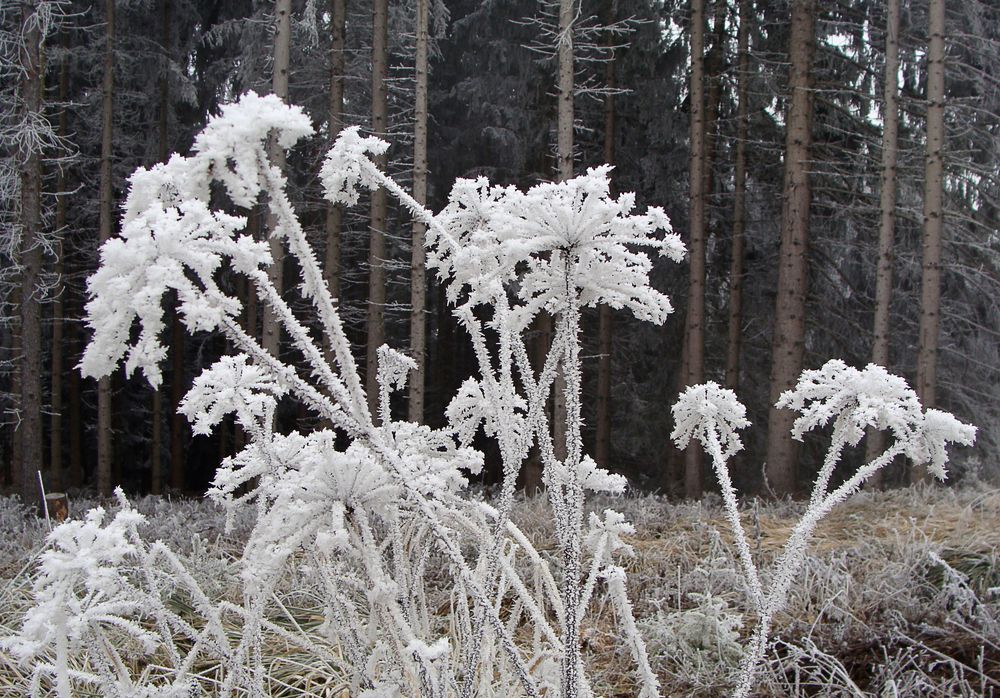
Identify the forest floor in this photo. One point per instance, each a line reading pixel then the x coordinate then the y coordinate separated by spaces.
pixel 900 595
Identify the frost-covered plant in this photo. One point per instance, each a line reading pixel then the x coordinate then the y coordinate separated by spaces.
pixel 702 641
pixel 852 401
pixel 380 520
pixel 102 596
pixel 426 590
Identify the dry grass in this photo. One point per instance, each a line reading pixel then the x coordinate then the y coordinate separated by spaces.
pixel 872 615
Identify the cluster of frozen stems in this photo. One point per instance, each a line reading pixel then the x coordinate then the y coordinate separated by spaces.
pixel 372 521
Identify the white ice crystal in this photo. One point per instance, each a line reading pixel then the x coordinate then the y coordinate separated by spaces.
pixel 232 144
pixel 470 408
pixel 608 531
pixel 154 254
pixel 172 239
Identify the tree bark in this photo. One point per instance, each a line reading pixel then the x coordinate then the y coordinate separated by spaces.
pixel 379 204
pixel 930 292
pixel 163 152
pixel 57 477
pixel 178 386
pixel 564 164
pixel 418 277
pixel 789 317
pixel 876 440
pixel 713 69
pixel 75 476
pixel 735 328
pixel 104 426
pixel 334 214
pixel 696 242
pixel 31 263
pixel 605 320
pixel 270 326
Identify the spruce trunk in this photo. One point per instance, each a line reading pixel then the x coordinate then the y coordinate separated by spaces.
pixel 790 306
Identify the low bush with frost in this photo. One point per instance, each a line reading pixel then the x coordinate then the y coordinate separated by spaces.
pixel 426 590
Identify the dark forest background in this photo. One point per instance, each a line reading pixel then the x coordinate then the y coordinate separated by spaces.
pixel 642 99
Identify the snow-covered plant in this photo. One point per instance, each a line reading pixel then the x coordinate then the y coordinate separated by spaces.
pixel 383 523
pixel 852 401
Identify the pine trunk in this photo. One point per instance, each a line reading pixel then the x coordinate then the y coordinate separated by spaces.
pixel 789 316
pixel 104 426
pixel 31 263
pixel 270 325
pixel 887 219
pixel 177 389
pixel 156 447
pixel 735 329
pixel 695 328
pixel 57 476
pixel 930 293
pixel 605 320
pixel 334 214
pixel 418 278
pixel 379 204
pixel 564 163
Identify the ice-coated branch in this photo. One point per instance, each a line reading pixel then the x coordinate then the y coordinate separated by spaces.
pixel 649 685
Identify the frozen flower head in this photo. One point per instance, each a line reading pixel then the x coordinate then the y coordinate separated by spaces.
pixel 81 576
pixel 157 251
pixel 171 239
pixel 233 142
pixel 708 410
pixel 929 445
pixel 232 385
pixel 472 247
pixel 608 531
pixel 348 166
pixel 854 400
pixel 533 242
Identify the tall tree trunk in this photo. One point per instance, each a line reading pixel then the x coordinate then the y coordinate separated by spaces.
pixel 379 204
pixel 605 320
pixel 163 151
pixel 564 164
pixel 564 127
pixel 177 389
pixel 713 69
pixel 57 476
pixel 875 443
pixel 270 326
pixel 334 214
pixel 31 261
pixel 930 293
pixel 104 426
pixel 75 475
pixel 696 243
pixel 789 316
pixel 735 329
pixel 418 277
